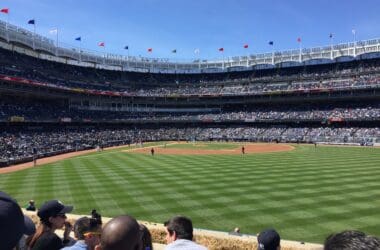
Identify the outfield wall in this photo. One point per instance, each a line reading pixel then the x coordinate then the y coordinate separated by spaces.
pixel 214 240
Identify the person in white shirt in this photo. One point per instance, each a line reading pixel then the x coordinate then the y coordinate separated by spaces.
pixel 179 234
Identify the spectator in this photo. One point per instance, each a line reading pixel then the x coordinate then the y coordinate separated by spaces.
pixel 179 234
pixel 31 229
pixel 351 240
pixel 95 215
pixel 31 206
pixel 87 231
pixel 52 216
pixel 146 238
pixel 268 240
pixel 120 233
pixel 13 223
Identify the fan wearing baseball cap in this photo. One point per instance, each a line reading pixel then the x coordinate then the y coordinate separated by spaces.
pixel 268 240
pixel 52 216
pixel 13 223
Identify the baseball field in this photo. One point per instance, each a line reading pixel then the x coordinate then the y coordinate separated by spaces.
pixel 304 192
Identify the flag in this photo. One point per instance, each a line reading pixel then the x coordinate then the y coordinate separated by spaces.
pixel 150 50
pixel 331 35
pixel 270 43
pixel 174 51
pixel 101 44
pixel 353 31
pixel 197 51
pixel 299 39
pixel 78 38
pixel 221 49
pixel 126 47
pixel 245 46
pixel 5 10
pixel 32 21
pixel 53 31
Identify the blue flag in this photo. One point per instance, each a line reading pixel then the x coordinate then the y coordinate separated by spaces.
pixel 270 43
pixel 78 38
pixel 32 21
pixel 126 47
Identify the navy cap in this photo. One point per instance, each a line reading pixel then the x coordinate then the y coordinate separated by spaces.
pixel 268 240
pixel 53 208
pixel 13 222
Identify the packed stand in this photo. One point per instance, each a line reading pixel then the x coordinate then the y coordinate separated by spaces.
pixel 351 75
pixel 19 146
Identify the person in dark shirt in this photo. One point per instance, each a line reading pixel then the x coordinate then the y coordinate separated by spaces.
pixel 31 206
pixel 52 216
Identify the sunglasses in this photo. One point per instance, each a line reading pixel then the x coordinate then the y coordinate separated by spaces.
pixel 92 233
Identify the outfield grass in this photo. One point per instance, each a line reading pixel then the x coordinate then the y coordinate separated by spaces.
pixel 205 146
pixel 305 194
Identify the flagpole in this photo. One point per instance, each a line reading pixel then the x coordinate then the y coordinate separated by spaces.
pixel 223 58
pixel 331 46
pixel 247 58
pixel 80 50
pixel 199 62
pixel 175 60
pixel 34 34
pixel 6 26
pixel 128 57
pixel 56 48
pixel 104 55
pixel 271 44
pixel 300 56
pixel 354 33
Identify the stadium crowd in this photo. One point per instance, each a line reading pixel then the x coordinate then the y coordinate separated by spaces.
pixel 19 146
pixel 39 111
pixel 17 231
pixel 321 78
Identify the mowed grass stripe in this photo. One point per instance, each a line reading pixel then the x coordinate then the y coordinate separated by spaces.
pixel 306 193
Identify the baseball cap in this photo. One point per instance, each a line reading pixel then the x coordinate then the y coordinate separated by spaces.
pixel 53 208
pixel 268 239
pixel 13 222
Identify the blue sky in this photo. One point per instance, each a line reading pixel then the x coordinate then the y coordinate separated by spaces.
pixel 185 25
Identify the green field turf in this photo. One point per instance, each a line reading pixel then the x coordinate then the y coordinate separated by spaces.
pixel 305 194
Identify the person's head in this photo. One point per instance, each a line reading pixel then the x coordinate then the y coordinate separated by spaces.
pixel 178 227
pixel 268 239
pixel 31 202
pixel 351 240
pixel 89 230
pixel 120 233
pixel 13 223
pixel 53 214
pixel 97 216
pixel 146 238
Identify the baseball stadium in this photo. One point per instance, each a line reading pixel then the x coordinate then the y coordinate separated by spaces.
pixel 286 140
